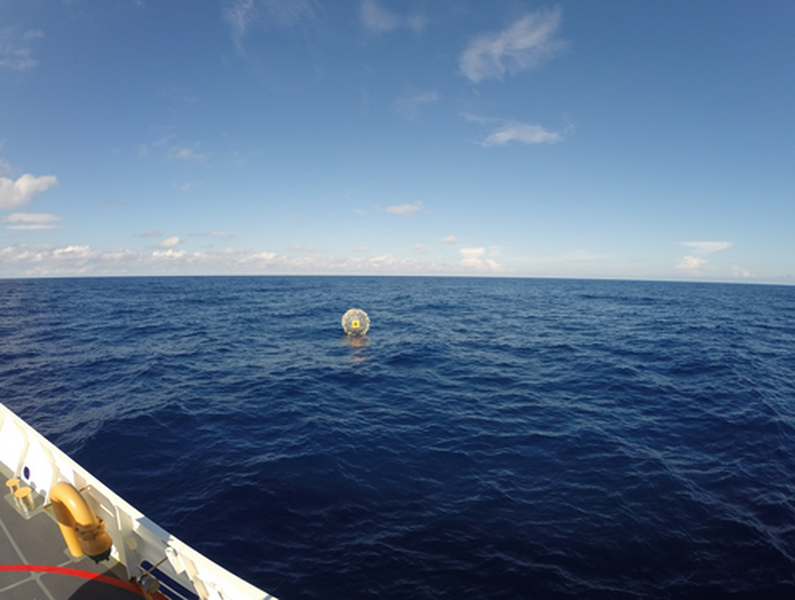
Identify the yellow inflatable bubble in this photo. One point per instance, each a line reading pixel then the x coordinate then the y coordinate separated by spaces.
pixel 355 322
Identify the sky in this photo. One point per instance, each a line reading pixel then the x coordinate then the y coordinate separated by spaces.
pixel 580 139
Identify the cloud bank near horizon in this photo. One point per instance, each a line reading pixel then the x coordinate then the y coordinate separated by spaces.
pixel 24 260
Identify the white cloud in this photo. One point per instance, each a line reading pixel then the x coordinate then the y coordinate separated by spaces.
pixel 14 194
pixel 691 263
pixel 524 133
pixel 473 258
pixel 15 53
pixel 509 131
pixel 265 256
pixel 378 19
pixel 470 257
pixel 703 248
pixel 410 104
pixel 31 221
pixel 405 209
pixel 45 260
pixel 694 262
pixel 450 239
pixel 170 253
pixel 171 242
pixel 522 46
pixel 71 252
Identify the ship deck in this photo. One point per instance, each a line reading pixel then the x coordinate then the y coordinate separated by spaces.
pixel 35 564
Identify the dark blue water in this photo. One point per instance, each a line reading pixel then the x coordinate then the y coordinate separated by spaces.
pixel 492 438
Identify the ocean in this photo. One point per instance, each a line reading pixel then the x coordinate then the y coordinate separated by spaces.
pixel 489 438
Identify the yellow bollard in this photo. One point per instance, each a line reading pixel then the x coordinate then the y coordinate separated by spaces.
pixel 24 498
pixel 12 485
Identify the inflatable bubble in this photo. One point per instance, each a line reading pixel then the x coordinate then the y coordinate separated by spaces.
pixel 355 322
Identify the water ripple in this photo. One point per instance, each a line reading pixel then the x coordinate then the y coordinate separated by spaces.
pixel 491 438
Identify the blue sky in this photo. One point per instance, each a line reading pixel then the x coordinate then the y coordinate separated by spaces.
pixel 610 139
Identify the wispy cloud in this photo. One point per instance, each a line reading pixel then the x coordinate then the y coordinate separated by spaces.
pixel 244 15
pixel 213 235
pixel 31 221
pixel 703 248
pixel 412 103
pixel 505 131
pixel 575 258
pixel 405 210
pixel 220 234
pixel 14 194
pixel 522 46
pixel 164 139
pixel 377 19
pixel 15 50
pixel 186 187
pixel 6 168
pixel 187 154
pixel 176 92
pixel 169 147
pixel 450 239
pixel 239 14
pixel 524 133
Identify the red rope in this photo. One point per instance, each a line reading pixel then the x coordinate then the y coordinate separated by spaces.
pixel 119 583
